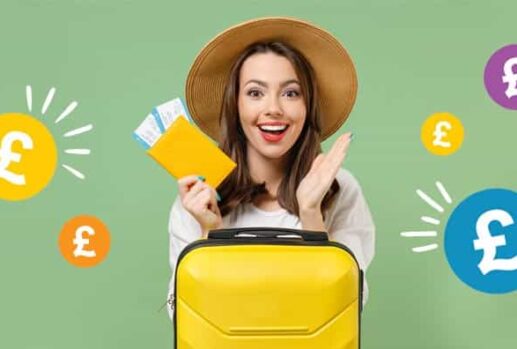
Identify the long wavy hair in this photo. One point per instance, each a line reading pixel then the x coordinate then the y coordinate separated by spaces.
pixel 239 187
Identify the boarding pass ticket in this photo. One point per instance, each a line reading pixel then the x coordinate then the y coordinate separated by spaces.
pixel 160 118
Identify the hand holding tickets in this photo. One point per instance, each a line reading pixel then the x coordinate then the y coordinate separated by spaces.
pixel 180 147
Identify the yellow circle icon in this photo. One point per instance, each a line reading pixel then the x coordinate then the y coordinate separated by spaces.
pixel 84 241
pixel 442 134
pixel 28 156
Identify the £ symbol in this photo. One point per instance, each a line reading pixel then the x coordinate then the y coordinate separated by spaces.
pixel 442 133
pixel 7 155
pixel 80 242
pixel 489 243
pixel 510 77
pixel 84 241
pixel 439 134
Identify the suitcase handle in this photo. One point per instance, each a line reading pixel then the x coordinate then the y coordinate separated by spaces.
pixel 258 232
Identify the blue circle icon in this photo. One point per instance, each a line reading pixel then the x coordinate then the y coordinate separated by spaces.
pixel 481 241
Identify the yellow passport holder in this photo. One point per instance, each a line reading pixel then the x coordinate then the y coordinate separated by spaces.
pixel 184 150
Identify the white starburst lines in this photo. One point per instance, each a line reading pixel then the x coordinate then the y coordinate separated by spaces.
pixel 429 220
pixel 71 133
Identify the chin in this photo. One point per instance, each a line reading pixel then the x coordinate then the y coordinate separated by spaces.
pixel 271 151
pixel 274 155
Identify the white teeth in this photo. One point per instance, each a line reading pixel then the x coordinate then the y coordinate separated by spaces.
pixel 273 128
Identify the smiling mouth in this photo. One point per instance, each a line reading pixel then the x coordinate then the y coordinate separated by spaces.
pixel 275 130
pixel 272 133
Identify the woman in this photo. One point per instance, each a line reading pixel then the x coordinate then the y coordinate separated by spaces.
pixel 283 86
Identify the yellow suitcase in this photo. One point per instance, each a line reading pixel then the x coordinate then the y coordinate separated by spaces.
pixel 267 288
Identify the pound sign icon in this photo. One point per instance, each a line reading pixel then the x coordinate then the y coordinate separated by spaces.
pixel 80 242
pixel 84 241
pixel 510 77
pixel 439 134
pixel 7 155
pixel 489 243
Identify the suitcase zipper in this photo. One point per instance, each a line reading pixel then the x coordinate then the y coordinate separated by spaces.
pixel 171 301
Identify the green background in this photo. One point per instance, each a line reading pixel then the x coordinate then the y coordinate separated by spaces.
pixel 118 59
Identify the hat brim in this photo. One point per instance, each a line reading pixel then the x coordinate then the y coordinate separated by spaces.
pixel 334 70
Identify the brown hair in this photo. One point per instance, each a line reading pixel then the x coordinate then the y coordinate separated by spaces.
pixel 239 187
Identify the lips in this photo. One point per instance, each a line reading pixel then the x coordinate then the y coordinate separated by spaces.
pixel 273 132
pixel 274 123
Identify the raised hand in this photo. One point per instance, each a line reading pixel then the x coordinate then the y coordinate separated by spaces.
pixel 317 181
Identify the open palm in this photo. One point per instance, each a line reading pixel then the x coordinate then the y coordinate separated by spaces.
pixel 316 183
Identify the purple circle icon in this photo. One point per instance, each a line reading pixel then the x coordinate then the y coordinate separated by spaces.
pixel 501 77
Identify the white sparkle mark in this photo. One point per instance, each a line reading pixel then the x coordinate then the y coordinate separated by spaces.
pixel 429 201
pixel 444 193
pixel 425 248
pixel 73 171
pixel 28 93
pixel 79 130
pixel 48 100
pixel 78 151
pixel 430 220
pixel 67 111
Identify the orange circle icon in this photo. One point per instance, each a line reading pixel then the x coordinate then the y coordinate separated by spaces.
pixel 84 241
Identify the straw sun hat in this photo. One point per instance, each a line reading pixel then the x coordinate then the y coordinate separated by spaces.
pixel 335 72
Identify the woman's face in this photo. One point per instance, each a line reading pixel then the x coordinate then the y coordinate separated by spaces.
pixel 271 106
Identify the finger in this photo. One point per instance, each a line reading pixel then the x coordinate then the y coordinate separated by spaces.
pixel 341 151
pixel 341 144
pixel 337 154
pixel 213 202
pixel 329 168
pixel 343 147
pixel 317 162
pixel 184 183
pixel 201 201
pixel 347 139
pixel 335 162
pixel 194 191
pixel 335 150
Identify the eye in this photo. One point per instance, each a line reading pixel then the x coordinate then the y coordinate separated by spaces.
pixel 292 93
pixel 254 93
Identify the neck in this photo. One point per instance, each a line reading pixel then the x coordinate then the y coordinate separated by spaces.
pixel 267 170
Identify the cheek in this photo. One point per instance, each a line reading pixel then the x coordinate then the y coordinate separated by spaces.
pixel 246 112
pixel 299 121
pixel 297 111
pixel 300 114
pixel 246 121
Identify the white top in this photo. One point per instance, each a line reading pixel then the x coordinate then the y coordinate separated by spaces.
pixel 348 221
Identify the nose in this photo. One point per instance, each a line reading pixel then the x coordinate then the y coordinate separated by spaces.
pixel 274 107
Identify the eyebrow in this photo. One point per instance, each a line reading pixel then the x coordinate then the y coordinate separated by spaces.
pixel 264 84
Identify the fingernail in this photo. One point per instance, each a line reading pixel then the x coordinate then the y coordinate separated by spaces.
pixel 201 178
pixel 217 196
